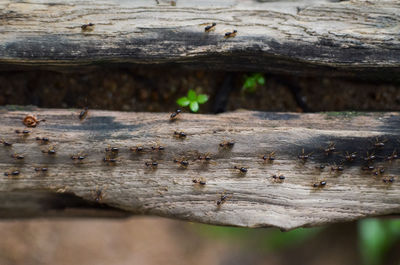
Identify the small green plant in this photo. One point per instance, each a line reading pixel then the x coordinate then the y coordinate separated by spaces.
pixel 192 100
pixel 251 82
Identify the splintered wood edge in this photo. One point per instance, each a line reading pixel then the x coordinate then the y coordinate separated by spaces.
pixel 253 199
pixel 297 37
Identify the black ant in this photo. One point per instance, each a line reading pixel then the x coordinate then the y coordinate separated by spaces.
pixel 223 198
pixel 335 167
pixel 152 164
pixel 321 166
pixel 303 156
pixel 210 28
pixel 109 160
pixel 50 151
pixel 138 149
pixel 321 184
pixel 203 157
pixel 175 114
pixel 99 194
pixel 41 169
pixel 388 180
pixel 78 157
pixel 18 156
pixel 158 147
pixel 182 162
pixel 87 27
pixel 200 181
pixel 5 143
pixel 230 34
pixel 227 144
pixel 112 150
pixel 43 140
pixel 369 167
pixel 278 177
pixel 83 113
pixel 380 170
pixel 379 144
pixel 370 157
pixel 180 135
pixel 23 132
pixel 392 156
pixel 350 156
pixel 270 157
pixel 242 170
pixel 12 173
pixel 330 148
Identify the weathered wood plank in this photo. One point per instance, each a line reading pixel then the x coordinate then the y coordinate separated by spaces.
pixel 316 36
pixel 68 188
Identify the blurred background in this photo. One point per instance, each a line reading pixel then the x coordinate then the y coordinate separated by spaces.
pixel 154 240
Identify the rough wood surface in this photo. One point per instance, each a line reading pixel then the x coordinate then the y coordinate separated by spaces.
pixel 255 199
pixel 334 37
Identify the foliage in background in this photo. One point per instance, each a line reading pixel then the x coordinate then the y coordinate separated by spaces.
pixel 251 82
pixel 192 100
pixel 376 238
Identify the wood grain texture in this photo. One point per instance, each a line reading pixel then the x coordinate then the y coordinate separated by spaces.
pixel 336 38
pixel 255 199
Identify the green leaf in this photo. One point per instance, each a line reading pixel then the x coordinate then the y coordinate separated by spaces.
pixel 249 83
pixel 194 106
pixel 373 241
pixel 202 98
pixel 261 80
pixel 192 95
pixel 183 101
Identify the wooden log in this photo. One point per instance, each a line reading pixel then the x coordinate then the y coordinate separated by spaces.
pixel 297 37
pixel 92 187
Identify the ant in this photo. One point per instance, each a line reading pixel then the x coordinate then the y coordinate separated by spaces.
pixel 182 162
pixel 388 180
pixel 152 164
pixel 303 156
pixel 380 170
pixel 112 150
pixel 31 121
pixel 50 151
pixel 18 156
pixel 87 27
pixel 369 157
pixel 223 198
pixel 41 169
pixel 337 168
pixel 392 156
pixel 175 114
pixel 321 184
pixel 109 160
pixel 138 149
pixel 200 181
pixel 230 34
pixel 158 147
pixel 12 173
pixel 242 170
pixel 227 144
pixel 321 166
pixel 369 167
pixel 78 157
pixel 277 178
pixel 43 140
pixel 99 194
pixel 5 143
pixel 350 156
pixel 180 135
pixel 330 149
pixel 210 28
pixel 206 157
pixel 23 132
pixel 270 157
pixel 83 113
pixel 379 144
